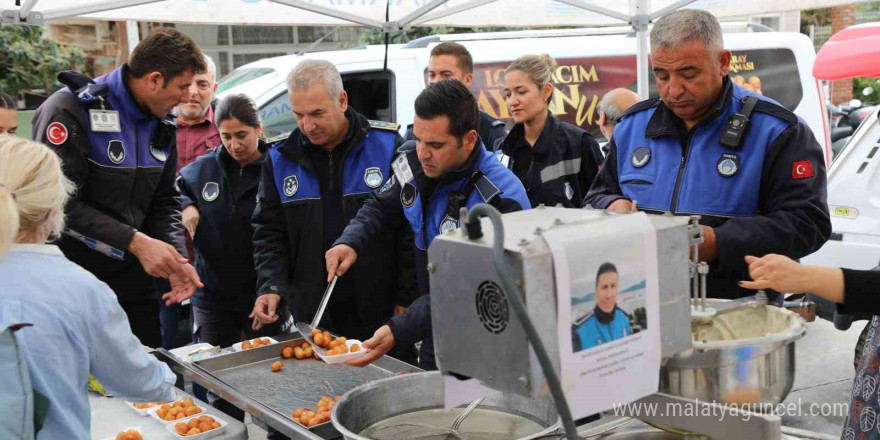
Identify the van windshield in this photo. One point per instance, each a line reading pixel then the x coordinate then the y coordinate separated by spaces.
pixel 241 76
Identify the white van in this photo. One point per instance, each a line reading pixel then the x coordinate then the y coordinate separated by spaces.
pixel 590 62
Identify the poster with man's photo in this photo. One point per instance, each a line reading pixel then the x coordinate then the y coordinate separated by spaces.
pixel 608 310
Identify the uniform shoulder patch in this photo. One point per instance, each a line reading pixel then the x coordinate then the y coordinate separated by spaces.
pixel 776 110
pixel 486 188
pixel 279 138
pixel 641 106
pixel 382 125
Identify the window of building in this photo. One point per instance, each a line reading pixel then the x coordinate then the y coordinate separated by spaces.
pixel 263 34
pixel 771 21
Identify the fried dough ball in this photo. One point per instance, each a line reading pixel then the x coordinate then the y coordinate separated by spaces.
pixel 193 431
pixel 355 348
pixel 192 423
pixel 307 353
pixel 131 434
pixel 287 353
pixel 739 80
pixel 315 332
pixel 276 366
pixel 297 413
pixel 181 428
pixel 246 345
pixel 192 410
pixel 147 405
pixel 319 339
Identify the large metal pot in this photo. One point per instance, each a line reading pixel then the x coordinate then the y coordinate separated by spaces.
pixel 757 370
pixel 368 404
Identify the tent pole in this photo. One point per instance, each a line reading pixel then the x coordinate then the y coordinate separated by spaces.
pixel 415 15
pixel 597 9
pixel 133 35
pixel 26 8
pixel 663 11
pixel 450 11
pixel 640 10
pixel 92 8
pixel 323 10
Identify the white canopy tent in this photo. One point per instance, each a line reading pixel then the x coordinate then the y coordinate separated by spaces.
pixel 401 14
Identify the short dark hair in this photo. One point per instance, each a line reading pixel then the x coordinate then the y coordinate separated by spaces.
pixel 603 269
pixel 167 51
pixel 238 106
pixel 7 102
pixel 452 99
pixel 465 61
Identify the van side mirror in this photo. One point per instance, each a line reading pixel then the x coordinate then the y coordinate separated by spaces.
pixel 867 91
pixel 855 103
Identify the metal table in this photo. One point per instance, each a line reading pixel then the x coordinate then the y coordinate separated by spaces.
pixel 110 416
pixel 244 380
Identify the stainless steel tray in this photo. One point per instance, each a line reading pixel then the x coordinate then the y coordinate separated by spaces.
pixel 245 380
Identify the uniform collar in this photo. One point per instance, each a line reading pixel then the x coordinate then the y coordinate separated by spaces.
pixel 36 248
pixel 226 159
pixel 542 144
pixel 664 122
pixel 124 101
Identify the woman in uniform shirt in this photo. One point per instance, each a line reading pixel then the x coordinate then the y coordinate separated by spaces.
pixel 554 160
pixel 219 194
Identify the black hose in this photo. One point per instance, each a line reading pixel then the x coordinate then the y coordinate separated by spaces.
pixel 503 271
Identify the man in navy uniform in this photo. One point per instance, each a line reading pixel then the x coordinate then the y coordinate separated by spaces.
pixel 451 60
pixel 314 182
pixel 748 166
pixel 445 169
pixel 607 322
pixel 116 140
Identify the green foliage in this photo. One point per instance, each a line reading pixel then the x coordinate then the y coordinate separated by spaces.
pixel 374 36
pixel 859 84
pixel 29 60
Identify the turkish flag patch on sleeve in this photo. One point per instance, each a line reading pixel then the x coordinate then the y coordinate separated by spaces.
pixel 802 170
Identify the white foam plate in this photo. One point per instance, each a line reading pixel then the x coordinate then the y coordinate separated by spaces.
pixel 207 434
pixel 136 428
pixel 152 413
pixel 339 358
pixel 143 412
pixel 194 352
pixel 237 346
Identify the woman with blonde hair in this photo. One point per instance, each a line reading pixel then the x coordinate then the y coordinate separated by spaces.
pixel 76 324
pixel 555 161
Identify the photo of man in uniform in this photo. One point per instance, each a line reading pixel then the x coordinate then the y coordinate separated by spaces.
pixel 607 322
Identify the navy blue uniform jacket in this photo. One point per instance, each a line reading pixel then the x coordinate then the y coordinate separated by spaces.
pixel 224 236
pixel 421 203
pixel 767 196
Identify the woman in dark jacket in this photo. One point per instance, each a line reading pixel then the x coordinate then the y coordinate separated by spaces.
pixel 855 291
pixel 219 194
pixel 554 160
